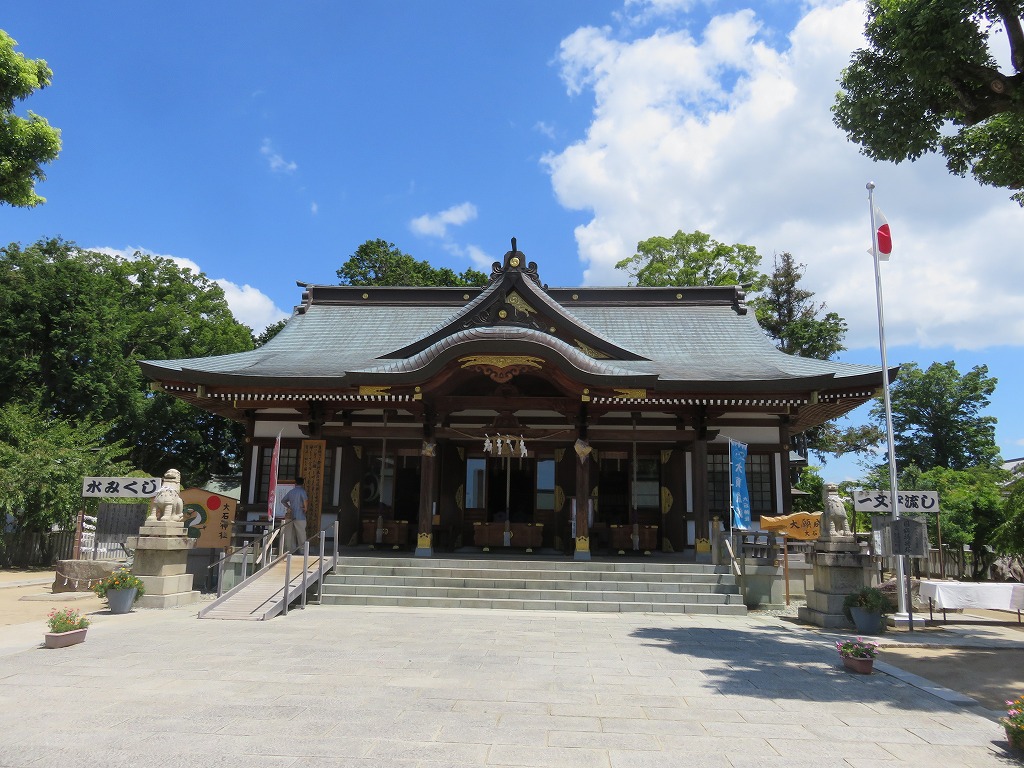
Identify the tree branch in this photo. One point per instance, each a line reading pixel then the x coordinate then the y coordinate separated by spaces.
pixel 1012 25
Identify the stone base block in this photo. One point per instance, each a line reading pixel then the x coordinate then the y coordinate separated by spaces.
pixel 150 562
pixel 166 585
pixel 79 574
pixel 824 620
pixel 160 542
pixel 167 601
pixel 825 602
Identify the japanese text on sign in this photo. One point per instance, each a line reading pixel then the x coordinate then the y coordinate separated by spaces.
pixel 120 487
pixel 910 501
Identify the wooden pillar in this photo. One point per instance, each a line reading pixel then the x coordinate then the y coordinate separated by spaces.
pixel 786 479
pixel 702 519
pixel 565 478
pixel 673 511
pixel 452 502
pixel 428 483
pixel 351 491
pixel 582 452
pixel 248 466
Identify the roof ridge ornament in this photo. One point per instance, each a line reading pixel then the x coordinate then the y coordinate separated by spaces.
pixel 515 261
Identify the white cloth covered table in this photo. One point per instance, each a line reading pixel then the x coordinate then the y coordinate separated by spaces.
pixel 947 595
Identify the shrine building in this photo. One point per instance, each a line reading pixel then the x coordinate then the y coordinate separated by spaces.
pixel 440 419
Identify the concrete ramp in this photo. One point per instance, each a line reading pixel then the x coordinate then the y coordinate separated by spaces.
pixel 265 594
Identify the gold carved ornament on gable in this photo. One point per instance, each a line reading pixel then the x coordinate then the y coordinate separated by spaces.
pixel 501 368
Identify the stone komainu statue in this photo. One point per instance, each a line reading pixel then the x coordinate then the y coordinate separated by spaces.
pixel 167 502
pixel 834 523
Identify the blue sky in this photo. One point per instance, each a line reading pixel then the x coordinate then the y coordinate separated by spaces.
pixel 263 142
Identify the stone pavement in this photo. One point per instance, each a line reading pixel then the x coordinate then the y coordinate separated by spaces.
pixel 366 687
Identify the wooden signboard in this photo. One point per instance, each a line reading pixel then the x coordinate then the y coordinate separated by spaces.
pixel 209 517
pixel 804 526
pixel 311 470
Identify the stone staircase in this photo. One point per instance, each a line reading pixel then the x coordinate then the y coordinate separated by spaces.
pixel 561 585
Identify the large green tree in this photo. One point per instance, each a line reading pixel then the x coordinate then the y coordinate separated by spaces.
pixel 378 262
pixel 937 417
pixel 929 81
pixel 972 508
pixel 790 317
pixel 693 258
pixel 43 460
pixel 26 143
pixel 75 323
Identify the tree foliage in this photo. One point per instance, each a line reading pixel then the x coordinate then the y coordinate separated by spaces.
pixel 693 258
pixel 929 82
pixel 75 325
pixel 378 262
pixel 788 315
pixel 937 419
pixel 26 143
pixel 1009 537
pixel 43 460
pixel 972 508
pixel 269 332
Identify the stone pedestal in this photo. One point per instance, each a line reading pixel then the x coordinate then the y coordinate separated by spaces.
pixel 840 569
pixel 161 558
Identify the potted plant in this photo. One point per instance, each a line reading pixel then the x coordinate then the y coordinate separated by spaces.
pixel 67 627
pixel 866 608
pixel 858 655
pixel 1014 723
pixel 120 589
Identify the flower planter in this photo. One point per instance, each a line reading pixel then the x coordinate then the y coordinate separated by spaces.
pixel 64 639
pixel 867 622
pixel 1015 736
pixel 860 666
pixel 121 600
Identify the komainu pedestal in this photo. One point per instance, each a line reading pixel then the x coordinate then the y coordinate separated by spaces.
pixel 161 551
pixel 161 557
pixel 840 569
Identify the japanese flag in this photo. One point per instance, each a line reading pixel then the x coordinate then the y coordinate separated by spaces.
pixel 883 237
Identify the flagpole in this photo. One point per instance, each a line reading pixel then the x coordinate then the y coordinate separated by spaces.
pixel 894 494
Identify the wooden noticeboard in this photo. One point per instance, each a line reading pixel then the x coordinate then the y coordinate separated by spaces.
pixel 209 517
pixel 803 526
pixel 311 470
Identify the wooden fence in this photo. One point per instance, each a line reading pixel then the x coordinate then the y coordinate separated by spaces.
pixel 113 524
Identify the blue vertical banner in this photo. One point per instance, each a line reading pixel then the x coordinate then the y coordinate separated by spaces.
pixel 740 499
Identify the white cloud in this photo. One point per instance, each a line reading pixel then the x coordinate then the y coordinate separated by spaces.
pixel 249 305
pixel 314 208
pixel 277 163
pixel 545 129
pixel 720 131
pixel 436 225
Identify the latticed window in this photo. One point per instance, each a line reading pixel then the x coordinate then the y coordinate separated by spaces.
pixel 759 483
pixel 286 464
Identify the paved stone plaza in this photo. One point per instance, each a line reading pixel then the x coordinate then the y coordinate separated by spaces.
pixel 369 687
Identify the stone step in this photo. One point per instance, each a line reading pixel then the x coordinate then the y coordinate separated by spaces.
pixel 560 582
pixel 497 563
pixel 648 577
pixel 542 584
pixel 332 589
pixel 729 609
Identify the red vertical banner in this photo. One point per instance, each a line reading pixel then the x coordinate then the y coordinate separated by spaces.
pixel 272 493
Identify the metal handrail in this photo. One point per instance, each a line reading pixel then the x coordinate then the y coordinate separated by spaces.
pixel 266 542
pixel 734 563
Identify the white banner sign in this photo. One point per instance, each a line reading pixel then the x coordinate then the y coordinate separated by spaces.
pixel 880 502
pixel 120 487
